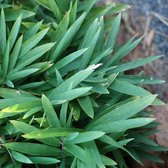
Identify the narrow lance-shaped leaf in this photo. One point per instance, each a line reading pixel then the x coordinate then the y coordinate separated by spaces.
pixel 73 12
pixel 86 137
pixel 20 157
pixel 71 94
pixel 87 56
pixel 6 60
pixel 74 80
pixel 32 41
pixel 89 34
pixel 3 32
pixel 15 53
pixel 99 57
pixel 12 14
pixel 87 106
pixel 14 32
pixel 33 148
pixel 110 42
pixel 140 79
pixel 126 49
pixel 44 160
pixel 32 30
pixel 19 108
pixel 108 161
pixel 63 113
pixel 120 52
pixel 76 151
pixel 61 29
pixel 50 133
pixel 124 111
pixel 134 64
pixel 108 140
pixel 13 76
pixel 27 128
pixel 122 125
pixel 67 60
pixel 44 3
pixel 32 85
pixel 55 9
pixel 12 93
pixel 50 112
pixel 33 55
pixel 65 41
pixel 120 86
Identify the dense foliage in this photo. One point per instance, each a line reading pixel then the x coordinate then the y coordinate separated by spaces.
pixel 66 98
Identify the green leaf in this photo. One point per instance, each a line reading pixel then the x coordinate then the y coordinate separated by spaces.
pixel 32 85
pixel 44 160
pixel 91 46
pixel 76 111
pixel 6 60
pixel 9 83
pixel 134 64
pixel 108 161
pixel 89 34
pixel 76 151
pixel 65 41
pixel 23 127
pixel 26 128
pixel 67 60
pixel 5 103
pixel 18 108
pixel 73 80
pixel 15 53
pixel 71 94
pixel 108 140
pixel 32 41
pixel 97 88
pixel 44 3
pixel 98 57
pixel 33 148
pixel 123 111
pixel 112 36
pixel 12 14
pixel 61 28
pixel 132 90
pixel 3 32
pixel 13 76
pixel 50 133
pixel 20 157
pixel 32 30
pixel 124 50
pixel 14 32
pixel 121 86
pixel 50 112
pixel 73 12
pixel 93 150
pixel 11 93
pixel 122 125
pixel 136 79
pixel 63 5
pixel 55 9
pixel 86 105
pixel 86 137
pixel 63 113
pixel 33 55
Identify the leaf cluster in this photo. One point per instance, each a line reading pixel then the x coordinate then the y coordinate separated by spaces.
pixel 66 97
